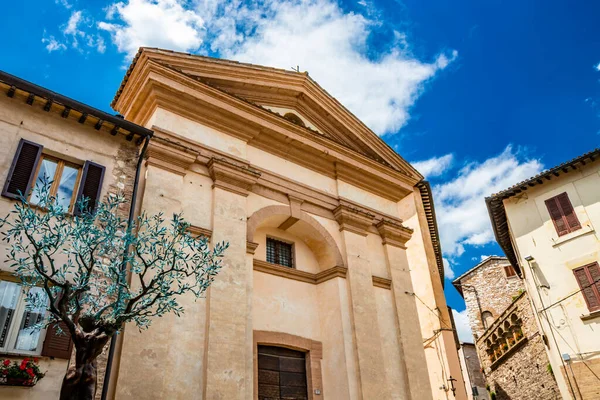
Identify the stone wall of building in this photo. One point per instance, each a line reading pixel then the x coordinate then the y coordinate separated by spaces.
pixel 518 368
pixel 487 288
pixel 123 176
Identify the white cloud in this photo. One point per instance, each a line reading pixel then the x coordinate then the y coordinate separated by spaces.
pixel 461 320
pixel 77 30
pixel 317 35
pixel 72 27
pixel 448 271
pixel 483 257
pixel 435 166
pixel 52 44
pixel 157 23
pixel 64 3
pixel 597 66
pixel 460 206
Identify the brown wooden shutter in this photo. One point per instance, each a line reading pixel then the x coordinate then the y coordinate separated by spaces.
pixel 20 175
pixel 557 216
pixel 567 210
pixel 58 346
pixel 590 293
pixel 90 186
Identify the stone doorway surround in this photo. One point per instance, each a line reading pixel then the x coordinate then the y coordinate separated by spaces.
pixel 313 348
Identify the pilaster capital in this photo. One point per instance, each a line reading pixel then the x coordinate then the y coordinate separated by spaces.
pixel 353 219
pixel 232 177
pixel 170 158
pixel 251 247
pixel 394 233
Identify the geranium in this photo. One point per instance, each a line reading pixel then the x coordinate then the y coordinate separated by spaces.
pixel 26 370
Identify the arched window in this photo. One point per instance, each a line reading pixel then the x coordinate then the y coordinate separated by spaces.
pixel 487 318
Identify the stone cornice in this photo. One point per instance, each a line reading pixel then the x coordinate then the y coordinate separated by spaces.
pixel 198 231
pixel 270 184
pixel 232 177
pixel 297 275
pixel 251 247
pixel 249 79
pixel 393 233
pixel 270 132
pixel 353 219
pixel 383 283
pixel 171 159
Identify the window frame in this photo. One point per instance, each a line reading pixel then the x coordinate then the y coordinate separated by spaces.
pixel 569 228
pixel 60 166
pixel 13 328
pixel 594 287
pixel 286 242
pixel 510 268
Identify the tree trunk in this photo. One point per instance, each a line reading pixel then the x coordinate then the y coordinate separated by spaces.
pixel 79 382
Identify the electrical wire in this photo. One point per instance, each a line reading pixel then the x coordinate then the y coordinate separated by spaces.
pixel 572 294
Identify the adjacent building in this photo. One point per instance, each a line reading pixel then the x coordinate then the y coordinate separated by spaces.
pixel 472 372
pixel 510 347
pixel 332 286
pixel 546 226
pixel 86 152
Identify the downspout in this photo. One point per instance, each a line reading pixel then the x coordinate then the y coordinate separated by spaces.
pixel 113 341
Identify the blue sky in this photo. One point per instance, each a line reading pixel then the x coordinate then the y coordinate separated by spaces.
pixel 480 94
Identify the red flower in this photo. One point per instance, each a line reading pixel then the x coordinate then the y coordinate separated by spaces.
pixel 30 372
pixel 6 363
pixel 22 367
pixel 26 360
pixel 5 372
pixel 36 360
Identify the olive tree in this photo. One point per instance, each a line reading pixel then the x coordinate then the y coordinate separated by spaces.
pixel 98 272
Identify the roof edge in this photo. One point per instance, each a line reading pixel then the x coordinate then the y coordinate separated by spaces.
pixel 67 102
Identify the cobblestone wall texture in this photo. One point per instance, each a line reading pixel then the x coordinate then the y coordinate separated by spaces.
pixel 123 176
pixel 523 372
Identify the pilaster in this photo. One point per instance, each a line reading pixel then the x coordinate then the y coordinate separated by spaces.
pixel 228 373
pixel 354 223
pixel 394 237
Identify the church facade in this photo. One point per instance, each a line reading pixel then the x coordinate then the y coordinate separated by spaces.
pixel 332 285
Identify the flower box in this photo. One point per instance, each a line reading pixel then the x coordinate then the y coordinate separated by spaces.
pixel 18 381
pixel 25 372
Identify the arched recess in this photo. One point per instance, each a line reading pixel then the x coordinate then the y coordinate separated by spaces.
pixel 308 229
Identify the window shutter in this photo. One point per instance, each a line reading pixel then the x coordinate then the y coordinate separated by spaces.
pixel 567 210
pixel 90 186
pixel 557 217
pixel 594 271
pixel 23 167
pixel 59 346
pixel 589 292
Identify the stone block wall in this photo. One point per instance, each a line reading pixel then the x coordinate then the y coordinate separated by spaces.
pixel 487 288
pixel 521 372
pixel 124 168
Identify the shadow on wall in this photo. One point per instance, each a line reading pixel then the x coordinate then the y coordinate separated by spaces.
pixel 501 393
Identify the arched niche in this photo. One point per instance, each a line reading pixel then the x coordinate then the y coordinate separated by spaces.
pixel 302 226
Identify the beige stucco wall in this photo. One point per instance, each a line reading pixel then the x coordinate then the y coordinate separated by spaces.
pixel 554 259
pixel 357 323
pixel 72 141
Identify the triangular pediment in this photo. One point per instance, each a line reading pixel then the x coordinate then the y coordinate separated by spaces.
pixel 288 94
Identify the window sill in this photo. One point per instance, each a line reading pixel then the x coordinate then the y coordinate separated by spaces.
pixel 591 315
pixel 573 235
pixel 8 354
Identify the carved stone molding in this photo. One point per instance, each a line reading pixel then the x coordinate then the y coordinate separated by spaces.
pixel 198 231
pixel 251 247
pixel 394 233
pixel 232 177
pixel 170 158
pixel 297 275
pixel 382 282
pixel 353 219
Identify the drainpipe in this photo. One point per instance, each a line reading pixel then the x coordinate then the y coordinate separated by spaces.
pixel 113 341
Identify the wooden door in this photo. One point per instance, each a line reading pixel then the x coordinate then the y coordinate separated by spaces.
pixel 281 374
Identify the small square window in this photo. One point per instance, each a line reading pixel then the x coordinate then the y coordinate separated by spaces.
pixel 279 252
pixel 510 271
